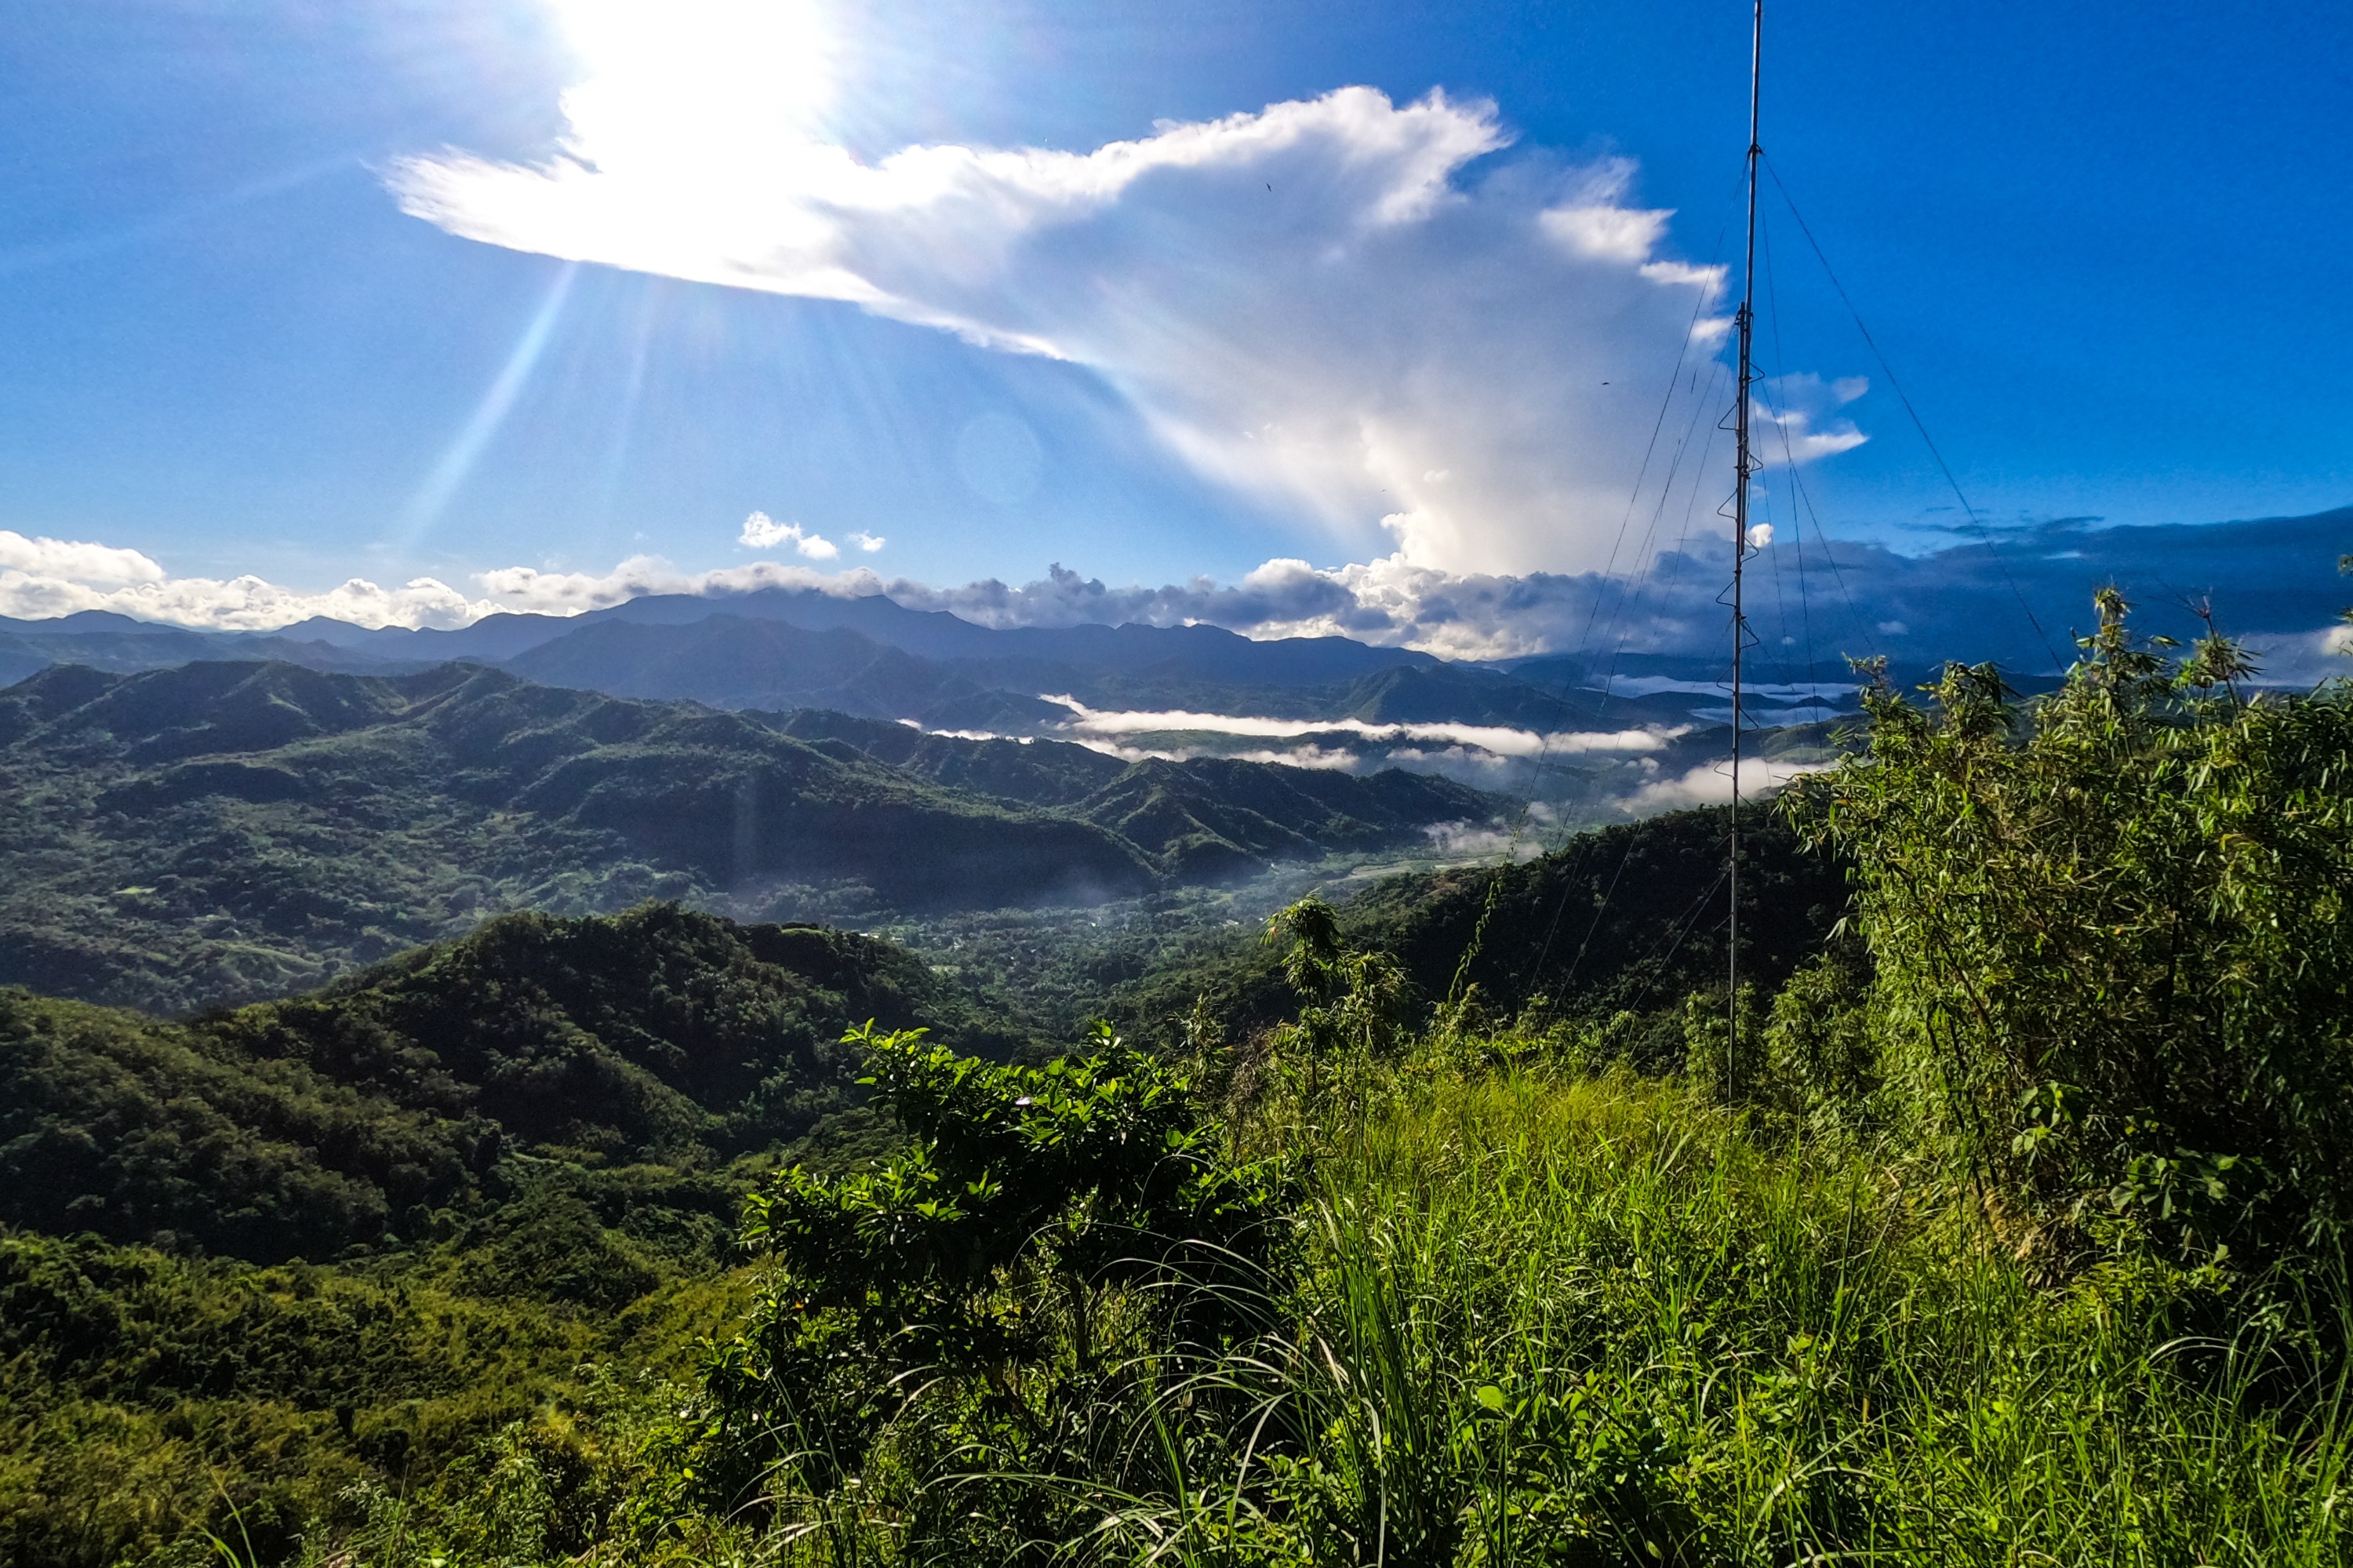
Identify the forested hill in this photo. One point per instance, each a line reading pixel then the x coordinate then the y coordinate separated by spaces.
pixel 225 831
pixel 623 1061
pixel 1627 918
pixel 332 1242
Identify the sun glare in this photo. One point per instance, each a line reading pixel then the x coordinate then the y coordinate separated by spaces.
pixel 666 75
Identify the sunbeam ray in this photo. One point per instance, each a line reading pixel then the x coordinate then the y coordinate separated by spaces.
pixel 457 460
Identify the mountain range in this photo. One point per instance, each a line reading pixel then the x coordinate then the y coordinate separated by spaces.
pixel 224 830
pixel 869 656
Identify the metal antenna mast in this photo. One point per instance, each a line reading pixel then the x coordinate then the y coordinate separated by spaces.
pixel 1743 464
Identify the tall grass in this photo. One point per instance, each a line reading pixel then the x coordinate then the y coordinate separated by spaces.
pixel 1596 1321
pixel 1539 1320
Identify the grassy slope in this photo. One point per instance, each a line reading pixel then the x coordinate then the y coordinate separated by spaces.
pixel 1539 1321
pixel 1726 1351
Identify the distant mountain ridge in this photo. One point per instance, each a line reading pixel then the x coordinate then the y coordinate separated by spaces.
pixel 1188 692
pixel 732 662
pixel 221 831
pixel 780 647
pixel 1208 651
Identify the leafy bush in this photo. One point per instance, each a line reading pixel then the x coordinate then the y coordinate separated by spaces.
pixel 146 1399
pixel 1049 1225
pixel 1352 1010
pixel 1821 1059
pixel 2113 956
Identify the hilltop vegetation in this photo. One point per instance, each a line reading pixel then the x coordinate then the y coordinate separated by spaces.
pixel 2013 1231
pixel 1629 918
pixel 223 832
pixel 2002 1221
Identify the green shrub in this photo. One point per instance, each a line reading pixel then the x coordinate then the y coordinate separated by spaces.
pixel 2114 961
pixel 1821 1057
pixel 977 1294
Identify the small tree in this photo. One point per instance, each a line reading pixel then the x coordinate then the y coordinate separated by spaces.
pixel 1352 1010
pixel 975 1274
pixel 2113 967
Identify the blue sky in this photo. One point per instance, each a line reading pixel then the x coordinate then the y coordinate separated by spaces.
pixel 248 333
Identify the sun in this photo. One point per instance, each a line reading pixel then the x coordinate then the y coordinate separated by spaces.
pixel 668 76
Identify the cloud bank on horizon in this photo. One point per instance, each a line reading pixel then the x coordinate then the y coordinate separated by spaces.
pixel 1385 602
pixel 1346 306
pixel 2012 595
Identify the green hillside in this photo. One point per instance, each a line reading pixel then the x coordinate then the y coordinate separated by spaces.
pixel 340 1239
pixel 1625 918
pixel 1205 817
pixel 636 1055
pixel 731 662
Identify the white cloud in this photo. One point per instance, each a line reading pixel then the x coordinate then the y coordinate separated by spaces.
pixel 1796 412
pixel 570 593
pixel 1387 602
pixel 241 604
pixel 869 543
pixel 74 560
pixel 2304 659
pixel 1330 759
pixel 1499 739
pixel 41 578
pixel 1607 233
pixel 1710 784
pixel 762 532
pixel 1343 305
pixel 1477 841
